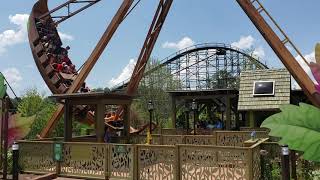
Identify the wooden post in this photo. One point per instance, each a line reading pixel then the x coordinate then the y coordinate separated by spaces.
pixel 237 120
pixel 5 137
pixel 135 162
pixel 177 162
pixel 15 161
pixel 67 121
pixel 251 119
pixel 250 164
pixel 285 167
pixel 1 132
pixel 173 111
pixel 99 115
pixel 228 113
pixel 293 159
pixel 126 121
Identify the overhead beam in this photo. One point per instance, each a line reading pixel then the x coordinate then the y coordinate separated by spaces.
pixel 91 61
pixel 281 50
pixel 148 45
pixel 69 13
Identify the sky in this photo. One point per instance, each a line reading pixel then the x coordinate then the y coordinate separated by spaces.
pixel 189 22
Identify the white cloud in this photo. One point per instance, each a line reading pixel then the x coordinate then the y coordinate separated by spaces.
pixel 19 35
pixel 125 74
pixel 248 42
pixel 30 66
pixel 310 58
pixel 13 76
pixel 65 36
pixel 183 43
pixel 11 37
pixel 259 52
pixel 245 42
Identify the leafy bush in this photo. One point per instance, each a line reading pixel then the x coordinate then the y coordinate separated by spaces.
pixel 299 128
pixel 31 103
pixel 41 120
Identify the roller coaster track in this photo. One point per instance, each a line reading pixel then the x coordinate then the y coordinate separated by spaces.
pixel 191 49
pixel 253 8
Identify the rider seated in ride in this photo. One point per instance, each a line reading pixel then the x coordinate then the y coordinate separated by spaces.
pixel 58 66
pixel 66 69
pixel 84 88
pixel 65 59
pixel 114 120
pixel 73 69
pixel 62 51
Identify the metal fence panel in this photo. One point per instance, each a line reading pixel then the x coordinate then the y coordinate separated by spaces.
pixel 36 157
pixel 156 162
pixel 84 160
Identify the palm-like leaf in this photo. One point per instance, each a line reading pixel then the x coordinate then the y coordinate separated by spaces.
pixel 315 69
pixel 3 87
pixel 317 52
pixel 298 127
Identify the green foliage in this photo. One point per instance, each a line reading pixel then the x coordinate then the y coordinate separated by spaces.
pixel 31 103
pixel 153 87
pixel 317 53
pixel 79 128
pixel 3 87
pixel 298 127
pixel 99 89
pixel 42 118
pixel 224 79
pixel 275 172
pixel 34 105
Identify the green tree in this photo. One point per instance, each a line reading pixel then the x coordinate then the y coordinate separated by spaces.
pixel 98 89
pixel 224 79
pixel 153 87
pixel 31 103
pixel 41 119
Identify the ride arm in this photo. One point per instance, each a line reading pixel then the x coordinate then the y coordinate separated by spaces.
pixel 152 36
pixel 93 58
pixel 279 47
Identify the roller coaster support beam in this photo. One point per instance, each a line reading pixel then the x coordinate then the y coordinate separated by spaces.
pixel 93 58
pixel 152 36
pixel 279 47
pixel 67 4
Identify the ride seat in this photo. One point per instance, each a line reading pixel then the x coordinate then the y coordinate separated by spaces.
pixel 55 79
pixel 63 88
pixel 66 76
pixel 49 70
pixel 44 60
pixel 39 50
pixel 35 38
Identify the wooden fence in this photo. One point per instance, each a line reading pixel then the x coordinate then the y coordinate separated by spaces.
pixel 219 138
pixel 134 161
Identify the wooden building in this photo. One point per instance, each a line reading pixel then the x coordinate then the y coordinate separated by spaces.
pixel 259 107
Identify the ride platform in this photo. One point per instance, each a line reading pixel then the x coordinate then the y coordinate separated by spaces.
pixel 98 102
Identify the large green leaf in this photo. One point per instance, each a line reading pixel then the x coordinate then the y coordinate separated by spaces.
pixel 3 87
pixel 317 53
pixel 298 127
